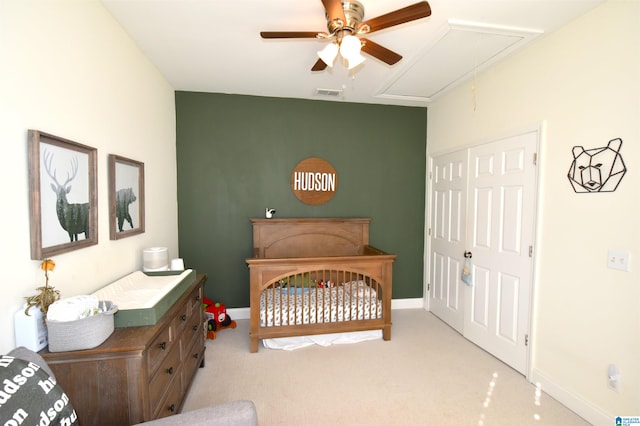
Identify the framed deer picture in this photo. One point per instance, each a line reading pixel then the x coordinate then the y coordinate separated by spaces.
pixel 126 197
pixel 62 194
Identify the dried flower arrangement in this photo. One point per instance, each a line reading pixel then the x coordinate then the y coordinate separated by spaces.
pixel 47 294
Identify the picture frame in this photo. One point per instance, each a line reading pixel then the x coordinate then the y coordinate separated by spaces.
pixel 63 216
pixel 126 197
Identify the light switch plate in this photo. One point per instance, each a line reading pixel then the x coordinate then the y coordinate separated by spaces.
pixel 618 259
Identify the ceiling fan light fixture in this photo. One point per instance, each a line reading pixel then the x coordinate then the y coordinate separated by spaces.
pixel 328 54
pixel 354 61
pixel 350 50
pixel 350 47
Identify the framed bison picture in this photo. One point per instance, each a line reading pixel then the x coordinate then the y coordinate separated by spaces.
pixel 62 195
pixel 126 197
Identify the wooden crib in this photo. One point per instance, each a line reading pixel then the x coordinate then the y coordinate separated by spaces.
pixel 317 276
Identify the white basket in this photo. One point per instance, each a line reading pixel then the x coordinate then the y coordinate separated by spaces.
pixel 85 333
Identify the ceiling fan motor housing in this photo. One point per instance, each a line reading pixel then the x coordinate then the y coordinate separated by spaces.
pixel 354 12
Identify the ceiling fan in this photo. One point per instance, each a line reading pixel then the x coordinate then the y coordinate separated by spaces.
pixel 346 28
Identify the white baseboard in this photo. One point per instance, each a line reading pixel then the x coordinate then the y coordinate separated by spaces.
pixel 407 303
pixel 238 313
pixel 243 313
pixel 573 402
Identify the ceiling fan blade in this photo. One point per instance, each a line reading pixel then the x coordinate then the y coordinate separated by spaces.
pixel 289 34
pixel 400 16
pixel 374 49
pixel 334 10
pixel 319 65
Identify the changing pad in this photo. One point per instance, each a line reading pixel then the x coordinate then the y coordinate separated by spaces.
pixel 143 298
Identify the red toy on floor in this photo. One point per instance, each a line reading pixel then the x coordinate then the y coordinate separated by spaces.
pixel 217 317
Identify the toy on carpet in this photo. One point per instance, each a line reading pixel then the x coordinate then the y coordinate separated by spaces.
pixel 217 317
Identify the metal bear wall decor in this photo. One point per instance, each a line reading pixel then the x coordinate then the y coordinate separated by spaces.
pixel 597 169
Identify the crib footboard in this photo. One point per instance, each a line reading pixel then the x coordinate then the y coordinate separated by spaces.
pixel 305 296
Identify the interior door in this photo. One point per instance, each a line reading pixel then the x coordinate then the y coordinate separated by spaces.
pixel 448 213
pixel 500 234
pixel 497 184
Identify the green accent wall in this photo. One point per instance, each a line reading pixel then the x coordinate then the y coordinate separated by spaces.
pixel 235 155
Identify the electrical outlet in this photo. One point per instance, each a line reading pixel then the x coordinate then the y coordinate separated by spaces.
pixel 618 259
pixel 613 378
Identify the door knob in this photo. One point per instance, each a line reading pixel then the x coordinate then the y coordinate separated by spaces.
pixel 468 254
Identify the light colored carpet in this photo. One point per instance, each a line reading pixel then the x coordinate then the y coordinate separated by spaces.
pixel 427 374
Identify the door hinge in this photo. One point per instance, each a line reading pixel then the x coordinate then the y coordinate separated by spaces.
pixel 526 340
pixel 530 251
pixel 428 287
pixel 429 232
pixel 535 158
pixel 430 176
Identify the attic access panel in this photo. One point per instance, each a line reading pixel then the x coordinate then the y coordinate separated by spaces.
pixel 465 48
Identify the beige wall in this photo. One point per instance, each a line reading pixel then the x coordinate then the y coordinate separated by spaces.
pixel 68 68
pixel 582 84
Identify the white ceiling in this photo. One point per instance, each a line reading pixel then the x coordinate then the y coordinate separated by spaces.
pixel 215 46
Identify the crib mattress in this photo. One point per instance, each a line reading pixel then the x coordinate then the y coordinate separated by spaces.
pixel 282 306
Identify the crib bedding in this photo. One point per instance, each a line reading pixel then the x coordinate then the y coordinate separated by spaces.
pixel 311 305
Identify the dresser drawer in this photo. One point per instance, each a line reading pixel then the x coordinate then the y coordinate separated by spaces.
pixel 159 348
pixel 195 301
pixel 172 400
pixel 180 321
pixel 194 326
pixel 192 357
pixel 168 370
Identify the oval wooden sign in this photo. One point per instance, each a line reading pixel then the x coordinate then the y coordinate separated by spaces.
pixel 314 181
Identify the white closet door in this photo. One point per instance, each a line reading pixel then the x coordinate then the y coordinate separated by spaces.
pixel 502 182
pixel 448 216
pixel 483 201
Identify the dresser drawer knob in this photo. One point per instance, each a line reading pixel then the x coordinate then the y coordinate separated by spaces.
pixel 196 355
pixel 183 317
pixel 172 408
pixel 170 370
pixel 163 345
pixel 195 327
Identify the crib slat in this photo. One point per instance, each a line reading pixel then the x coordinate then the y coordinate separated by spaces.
pixel 293 317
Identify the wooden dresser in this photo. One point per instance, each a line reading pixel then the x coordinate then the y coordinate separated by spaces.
pixel 138 373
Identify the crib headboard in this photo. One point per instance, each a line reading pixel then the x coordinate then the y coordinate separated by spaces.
pixel 309 237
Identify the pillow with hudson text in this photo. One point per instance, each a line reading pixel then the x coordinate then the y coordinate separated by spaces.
pixel 30 396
